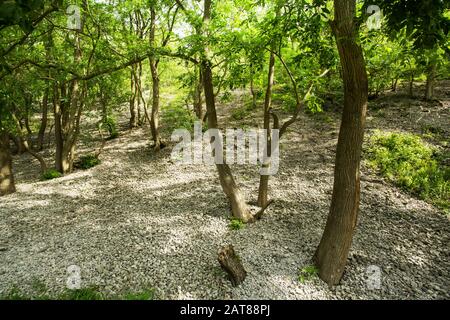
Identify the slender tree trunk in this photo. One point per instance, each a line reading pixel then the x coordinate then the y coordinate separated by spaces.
pixel 133 107
pixel 7 185
pixel 239 207
pixel 27 119
pixel 138 89
pixel 198 103
pixel 394 84
pixel 44 117
pixel 264 179
pixel 411 85
pixel 19 143
pixel 429 87
pixel 252 89
pixel 45 101
pixel 331 255
pixel 68 112
pixel 26 146
pixel 154 117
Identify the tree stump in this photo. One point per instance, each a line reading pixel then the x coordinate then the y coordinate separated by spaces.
pixel 230 262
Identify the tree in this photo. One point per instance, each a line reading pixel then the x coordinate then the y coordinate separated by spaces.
pixel 332 252
pixel 7 185
pixel 428 25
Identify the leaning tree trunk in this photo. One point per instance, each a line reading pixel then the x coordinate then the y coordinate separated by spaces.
pixel 133 105
pixel 43 127
pixel 429 87
pixel 331 255
pixel 7 185
pixel 239 207
pixel 264 179
pixel 154 117
pixel 198 105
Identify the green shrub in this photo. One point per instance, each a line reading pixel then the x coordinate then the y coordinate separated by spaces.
pixel 89 293
pixel 88 161
pixel 307 273
pixel 51 174
pixel 147 294
pixel 110 124
pixel 236 224
pixel 243 111
pixel 412 164
pixel 239 113
pixel 176 116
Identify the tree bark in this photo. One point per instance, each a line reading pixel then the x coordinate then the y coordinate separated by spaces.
pixel 429 87
pixel 230 262
pixel 133 106
pixel 67 111
pixel 44 118
pixel 332 252
pixel 239 207
pixel 264 179
pixel 198 103
pixel 7 185
pixel 252 89
pixel 154 117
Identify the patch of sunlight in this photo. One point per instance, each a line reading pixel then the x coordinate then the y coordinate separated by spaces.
pixel 183 295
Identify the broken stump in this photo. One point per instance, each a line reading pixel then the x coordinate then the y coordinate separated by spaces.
pixel 231 263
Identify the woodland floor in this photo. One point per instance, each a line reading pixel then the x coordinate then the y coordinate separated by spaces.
pixel 138 220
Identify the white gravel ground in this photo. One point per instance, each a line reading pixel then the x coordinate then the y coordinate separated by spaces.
pixel 138 220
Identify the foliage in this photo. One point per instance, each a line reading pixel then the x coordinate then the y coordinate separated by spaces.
pixel 307 273
pixel 88 293
pixel 236 224
pixel 146 294
pixel 110 123
pixel 412 164
pixel 176 116
pixel 88 161
pixel 51 174
pixel 40 292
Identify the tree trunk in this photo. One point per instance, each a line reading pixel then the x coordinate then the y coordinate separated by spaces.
pixel 41 134
pixel 264 179
pixel 332 252
pixel 67 111
pixel 26 146
pixel 394 84
pixel 252 88
pixel 133 107
pixel 154 118
pixel 7 185
pixel 239 207
pixel 429 87
pixel 198 104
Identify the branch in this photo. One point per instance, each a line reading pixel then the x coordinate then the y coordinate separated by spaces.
pixel 299 102
pixel 53 8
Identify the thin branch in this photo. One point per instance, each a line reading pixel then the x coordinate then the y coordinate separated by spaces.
pixel 53 8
